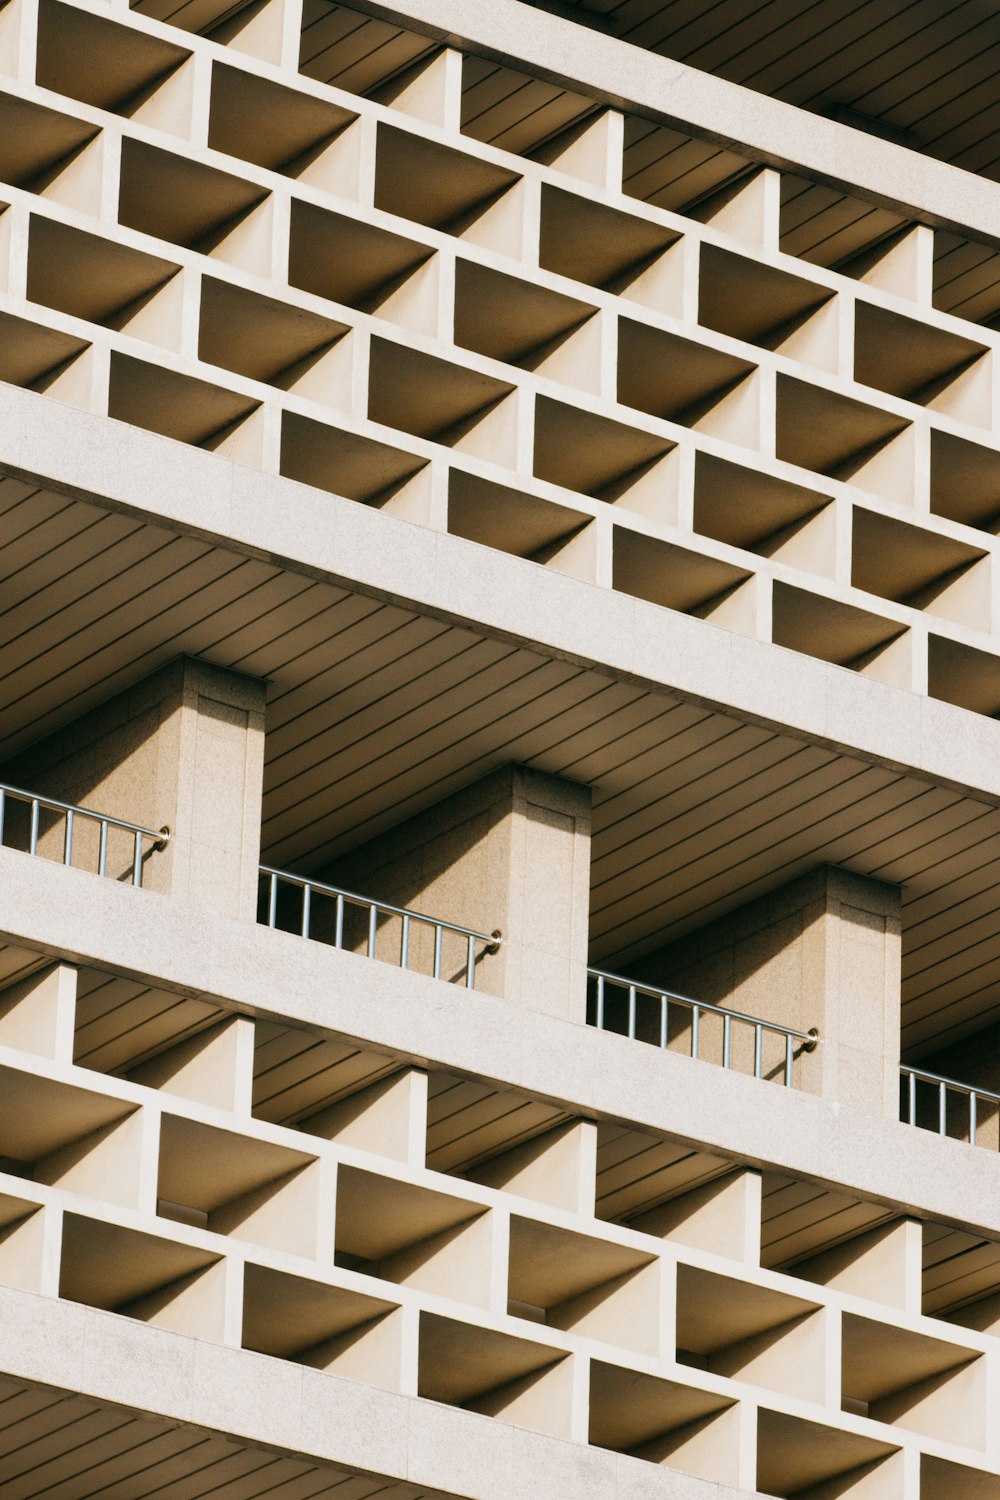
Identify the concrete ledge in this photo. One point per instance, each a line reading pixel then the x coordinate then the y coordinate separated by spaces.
pixel 292 1410
pixel 80 917
pixel 617 73
pixel 293 525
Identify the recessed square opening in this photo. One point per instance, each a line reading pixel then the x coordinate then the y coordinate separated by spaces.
pixel 273 341
pixel 297 1074
pixel 588 1286
pixel 413 1236
pixel 178 406
pixel 521 524
pixel 965 481
pixel 844 439
pixel 961 1273
pixel 356 52
pixel 69 1137
pixel 931 366
pixel 480 1369
pixel 180 200
pixel 100 62
pixel 159 1281
pixel 673 378
pixel 514 111
pixel 90 277
pixel 966 277
pixel 433 184
pixel 833 1239
pixel 435 399
pixel 650 568
pixel 273 126
pixel 749 300
pixel 964 676
pixel 921 568
pixel 38 144
pixel 606 248
pixel 121 1023
pixel 230 1184
pixel 34 356
pixel 840 633
pixel 811 1461
pixel 754 510
pixel 327 1327
pixel 512 320
pixel 750 1333
pixel 943 1480
pixel 346 463
pixel 637 1171
pixel 672 170
pixel 362 266
pixel 470 1123
pixel 607 460
pixel 664 1422
pixel 829 228
pixel 908 1380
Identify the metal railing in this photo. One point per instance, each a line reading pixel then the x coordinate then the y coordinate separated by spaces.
pixel 941 1088
pixel 73 816
pixel 658 1003
pixel 485 942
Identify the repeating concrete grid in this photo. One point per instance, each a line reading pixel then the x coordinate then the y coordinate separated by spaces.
pixel 480 303
pixel 442 1237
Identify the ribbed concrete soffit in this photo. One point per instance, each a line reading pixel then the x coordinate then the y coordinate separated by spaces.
pixel 376 710
pixel 921 74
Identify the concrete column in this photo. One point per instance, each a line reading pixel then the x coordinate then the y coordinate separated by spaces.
pixel 822 951
pixel 184 748
pixel 511 852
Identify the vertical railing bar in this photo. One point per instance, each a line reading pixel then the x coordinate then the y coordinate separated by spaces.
pixel 102 857
pixel 438 941
pixel 663 1021
pixel 68 841
pixel 306 908
pixel 272 904
pixel 600 1002
pixel 695 1024
pixel 913 1098
pixel 136 854
pixel 33 835
pixel 758 1051
pixel 372 928
pixel 3 809
pixel 789 1059
pixel 727 1039
pixel 470 963
pixel 631 1011
pixel 404 945
pixel 338 931
pixel 942 1109
pixel 973 1120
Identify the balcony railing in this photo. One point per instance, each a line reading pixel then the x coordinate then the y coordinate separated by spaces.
pixel 645 1013
pixel 334 908
pixel 22 815
pixel 926 1100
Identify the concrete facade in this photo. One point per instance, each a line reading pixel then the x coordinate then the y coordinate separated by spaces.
pixel 499 791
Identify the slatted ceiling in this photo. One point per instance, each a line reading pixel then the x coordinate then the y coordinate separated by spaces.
pixel 966 277
pixel 957 1269
pixel 355 52
pixel 297 1074
pixel 17 963
pixel 468 1122
pixel 636 1171
pixel 671 170
pixel 514 111
pixel 827 227
pixel 801 1219
pixel 120 1023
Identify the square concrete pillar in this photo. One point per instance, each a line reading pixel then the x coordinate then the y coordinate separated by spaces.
pixel 822 951
pixel 510 853
pixel 183 749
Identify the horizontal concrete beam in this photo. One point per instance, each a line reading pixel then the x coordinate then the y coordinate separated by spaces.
pixel 296 1411
pixel 290 524
pixel 80 917
pixel 672 93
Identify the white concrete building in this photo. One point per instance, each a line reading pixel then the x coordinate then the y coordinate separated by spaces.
pixel 499 761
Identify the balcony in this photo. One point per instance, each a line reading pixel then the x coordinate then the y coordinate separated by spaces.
pixel 77 836
pixel 376 929
pixel 957 1111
